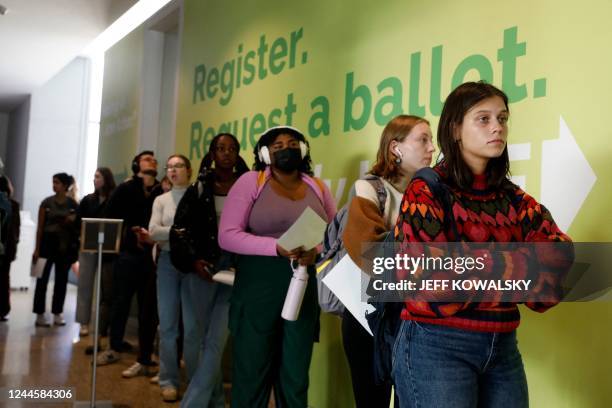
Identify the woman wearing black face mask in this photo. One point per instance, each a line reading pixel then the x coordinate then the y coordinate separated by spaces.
pixel 260 207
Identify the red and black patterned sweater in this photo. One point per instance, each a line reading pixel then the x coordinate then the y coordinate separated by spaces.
pixel 481 215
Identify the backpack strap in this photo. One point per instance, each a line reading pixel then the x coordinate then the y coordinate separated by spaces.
pixel 381 192
pixel 440 191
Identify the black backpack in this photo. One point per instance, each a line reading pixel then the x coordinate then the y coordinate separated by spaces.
pixel 385 320
pixel 183 251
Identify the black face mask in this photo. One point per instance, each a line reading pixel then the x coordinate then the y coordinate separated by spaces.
pixel 287 159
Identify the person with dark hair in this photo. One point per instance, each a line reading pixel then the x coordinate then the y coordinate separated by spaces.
pixel 198 213
pixel 134 270
pixel 406 146
pixel 10 223
pixel 93 206
pixel 263 204
pixel 466 352
pixel 270 142
pixel 166 184
pixel 57 240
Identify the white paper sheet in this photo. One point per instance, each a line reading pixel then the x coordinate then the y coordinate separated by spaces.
pixel 226 277
pixel 37 268
pixel 306 231
pixel 345 280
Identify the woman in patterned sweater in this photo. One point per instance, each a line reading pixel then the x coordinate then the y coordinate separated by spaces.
pixel 464 354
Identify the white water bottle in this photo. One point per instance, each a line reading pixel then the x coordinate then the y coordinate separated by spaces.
pixel 295 293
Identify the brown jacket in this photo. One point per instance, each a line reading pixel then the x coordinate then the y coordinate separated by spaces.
pixel 365 224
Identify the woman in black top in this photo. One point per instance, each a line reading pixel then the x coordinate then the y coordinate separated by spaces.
pixel 57 241
pixel 93 206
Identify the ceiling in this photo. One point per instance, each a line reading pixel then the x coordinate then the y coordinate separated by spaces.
pixel 39 37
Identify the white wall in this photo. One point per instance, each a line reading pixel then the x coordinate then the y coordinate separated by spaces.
pixel 56 140
pixel 16 147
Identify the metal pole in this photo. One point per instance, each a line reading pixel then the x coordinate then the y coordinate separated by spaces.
pixel 96 326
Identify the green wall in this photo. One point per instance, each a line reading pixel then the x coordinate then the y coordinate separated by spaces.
pixel 340 70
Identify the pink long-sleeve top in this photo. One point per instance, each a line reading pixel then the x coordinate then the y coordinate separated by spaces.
pixel 234 234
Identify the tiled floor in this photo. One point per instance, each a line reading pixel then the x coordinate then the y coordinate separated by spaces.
pixel 32 356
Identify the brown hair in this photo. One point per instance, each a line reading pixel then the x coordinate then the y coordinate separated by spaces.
pixel 457 104
pixel 397 129
pixel 109 181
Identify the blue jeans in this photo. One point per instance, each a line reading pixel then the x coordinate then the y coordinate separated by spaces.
pixel 437 366
pixel 175 292
pixel 206 386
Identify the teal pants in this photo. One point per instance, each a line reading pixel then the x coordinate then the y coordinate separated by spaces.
pixel 268 350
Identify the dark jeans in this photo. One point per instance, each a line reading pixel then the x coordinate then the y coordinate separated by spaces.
pixel 5 287
pixel 134 273
pixel 62 266
pixel 437 366
pixel 359 350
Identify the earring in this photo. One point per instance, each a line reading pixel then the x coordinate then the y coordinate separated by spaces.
pixel 398 155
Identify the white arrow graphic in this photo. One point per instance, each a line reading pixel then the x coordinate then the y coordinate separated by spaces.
pixel 567 177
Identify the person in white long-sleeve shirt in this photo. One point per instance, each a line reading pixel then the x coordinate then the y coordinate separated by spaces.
pixel 174 288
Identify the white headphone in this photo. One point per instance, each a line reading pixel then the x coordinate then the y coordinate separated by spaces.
pixel 264 153
pixel 399 155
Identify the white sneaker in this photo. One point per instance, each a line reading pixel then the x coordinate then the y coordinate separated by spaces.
pixel 41 321
pixel 135 370
pixel 58 320
pixel 107 357
pixel 84 330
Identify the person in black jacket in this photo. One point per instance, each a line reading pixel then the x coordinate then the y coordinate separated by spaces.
pixel 9 238
pixel 134 271
pixel 93 206
pixel 198 214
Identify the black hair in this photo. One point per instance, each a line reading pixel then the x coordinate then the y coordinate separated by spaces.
pixel 206 165
pixel 457 104
pixel 270 136
pixel 66 179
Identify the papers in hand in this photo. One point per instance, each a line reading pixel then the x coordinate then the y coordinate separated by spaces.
pixel 224 276
pixel 307 231
pixel 345 280
pixel 37 268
